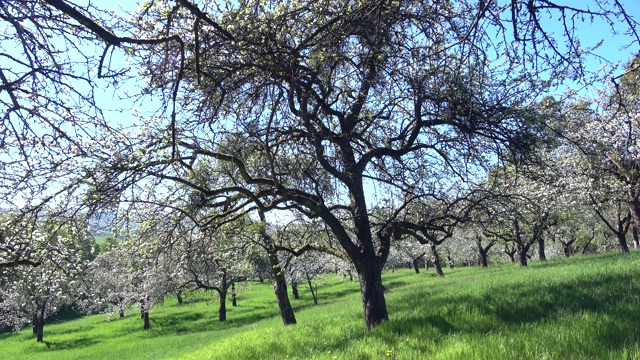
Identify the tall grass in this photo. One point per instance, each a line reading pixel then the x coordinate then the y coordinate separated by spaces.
pixel 578 308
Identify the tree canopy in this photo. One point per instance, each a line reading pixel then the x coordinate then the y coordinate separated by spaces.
pixel 325 109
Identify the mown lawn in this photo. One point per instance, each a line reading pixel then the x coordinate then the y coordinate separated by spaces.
pixel 577 308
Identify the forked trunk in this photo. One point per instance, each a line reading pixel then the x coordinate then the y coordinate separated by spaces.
pixel 622 242
pixel 511 252
pixel 522 255
pixel 416 268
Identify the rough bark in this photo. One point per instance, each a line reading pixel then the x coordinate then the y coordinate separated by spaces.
pixel 280 288
pixel 541 251
pixel 222 292
pixel 372 291
pixel 522 254
pixel 294 289
pixel 622 242
pixel 436 260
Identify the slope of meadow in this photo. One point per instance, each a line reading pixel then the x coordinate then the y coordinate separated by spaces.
pixel 577 308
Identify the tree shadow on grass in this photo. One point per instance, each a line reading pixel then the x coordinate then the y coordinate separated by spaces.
pixel 74 343
pixel 511 306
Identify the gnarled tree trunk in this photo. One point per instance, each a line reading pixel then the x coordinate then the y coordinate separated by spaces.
pixel 372 291
pixel 541 252
pixel 280 288
pixel 436 260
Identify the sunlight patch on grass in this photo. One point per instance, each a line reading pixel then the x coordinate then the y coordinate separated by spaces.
pixel 577 308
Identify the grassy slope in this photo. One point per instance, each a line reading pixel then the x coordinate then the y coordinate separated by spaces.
pixel 578 308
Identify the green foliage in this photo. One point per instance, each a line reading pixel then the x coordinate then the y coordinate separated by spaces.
pixel 577 308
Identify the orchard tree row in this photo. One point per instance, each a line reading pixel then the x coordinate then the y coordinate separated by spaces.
pixel 216 133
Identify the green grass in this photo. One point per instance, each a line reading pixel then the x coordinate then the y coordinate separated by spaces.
pixel 578 308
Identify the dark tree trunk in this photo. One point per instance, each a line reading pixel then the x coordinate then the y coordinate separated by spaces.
pixel 483 252
pixel 34 324
pixel 566 247
pixel 511 252
pixel 39 323
pixel 436 260
pixel 483 257
pixel 121 313
pixel 372 291
pixel 586 245
pixel 222 311
pixel 522 254
pixel 622 242
pixel 520 247
pixel 234 299
pixel 416 268
pixel 541 253
pixel 426 264
pixel 222 292
pixel 634 209
pixel 314 294
pixel 280 288
pixel 294 289
pixel 39 329
pixel 145 317
pixel 179 296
